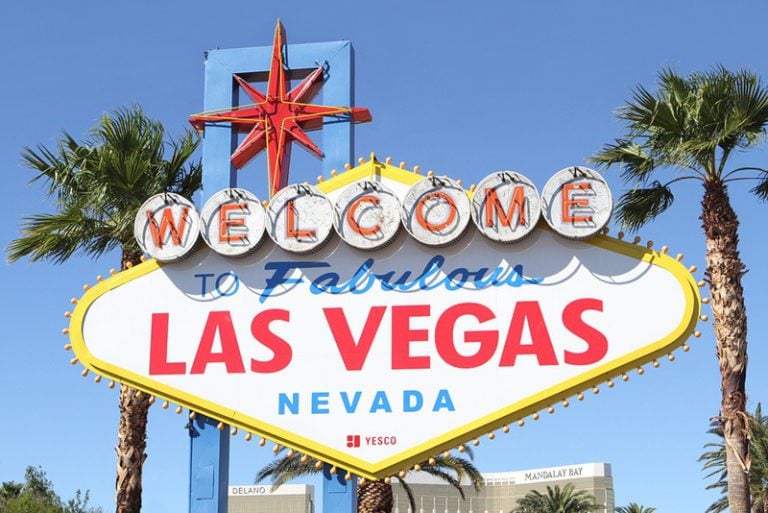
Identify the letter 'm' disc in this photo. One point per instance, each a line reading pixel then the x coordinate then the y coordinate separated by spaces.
pixel 506 206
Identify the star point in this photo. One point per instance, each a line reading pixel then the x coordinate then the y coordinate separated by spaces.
pixel 278 117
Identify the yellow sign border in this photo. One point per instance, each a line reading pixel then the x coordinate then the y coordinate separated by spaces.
pixel 449 440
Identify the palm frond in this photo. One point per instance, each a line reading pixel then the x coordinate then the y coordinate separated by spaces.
pixel 714 460
pixel 285 469
pixel 636 165
pixel 761 189
pixel 689 123
pixel 55 237
pixel 639 206
pixel 634 507
pixel 99 185
pixel 557 500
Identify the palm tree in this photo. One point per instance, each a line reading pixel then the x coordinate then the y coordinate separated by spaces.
pixel 634 507
pixel 714 462
pixel 97 187
pixel 557 500
pixel 377 496
pixel 689 129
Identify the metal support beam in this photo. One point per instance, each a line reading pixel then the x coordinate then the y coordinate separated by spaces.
pixel 339 495
pixel 208 466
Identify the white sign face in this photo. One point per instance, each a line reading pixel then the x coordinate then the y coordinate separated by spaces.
pixel 374 361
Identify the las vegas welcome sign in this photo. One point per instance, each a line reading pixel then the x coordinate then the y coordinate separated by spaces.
pixel 381 316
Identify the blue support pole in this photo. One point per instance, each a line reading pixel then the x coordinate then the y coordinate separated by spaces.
pixel 339 495
pixel 209 447
pixel 208 466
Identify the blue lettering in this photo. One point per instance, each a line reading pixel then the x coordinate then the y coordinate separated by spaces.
pixel 363 279
pixel 280 276
pixel 351 407
pixel 325 283
pixel 204 277
pixel 284 403
pixel 416 404
pixel 443 400
pixel 232 287
pixel 356 284
pixel 457 278
pixel 319 402
pixel 380 402
pixel 430 271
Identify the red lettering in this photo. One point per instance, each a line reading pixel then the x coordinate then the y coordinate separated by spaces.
pixel 597 344
pixel 403 336
pixel 167 223
pixel 541 343
pixel 225 222
pixel 446 345
pixel 280 348
pixel 290 223
pixel 516 204
pixel 353 210
pixel 353 353
pixel 569 202
pixel 158 348
pixel 221 323
pixel 422 218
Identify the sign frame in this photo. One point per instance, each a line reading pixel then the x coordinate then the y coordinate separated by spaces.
pixel 478 427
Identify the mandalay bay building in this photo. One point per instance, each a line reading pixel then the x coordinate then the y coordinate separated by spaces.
pixel 500 494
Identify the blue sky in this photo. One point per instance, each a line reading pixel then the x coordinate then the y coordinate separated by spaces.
pixel 464 89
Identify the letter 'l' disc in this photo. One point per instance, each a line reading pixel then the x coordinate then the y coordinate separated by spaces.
pixel 300 218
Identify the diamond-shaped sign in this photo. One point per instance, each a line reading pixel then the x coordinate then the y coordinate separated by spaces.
pixel 376 360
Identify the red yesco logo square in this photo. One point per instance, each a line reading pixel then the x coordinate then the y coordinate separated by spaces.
pixel 353 441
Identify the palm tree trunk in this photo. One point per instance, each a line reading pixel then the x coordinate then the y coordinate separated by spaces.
pixel 131 436
pixel 724 271
pixel 374 497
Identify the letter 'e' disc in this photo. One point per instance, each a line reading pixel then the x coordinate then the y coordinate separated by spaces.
pixel 234 222
pixel 577 202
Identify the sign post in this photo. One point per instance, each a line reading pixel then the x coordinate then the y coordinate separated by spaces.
pixel 208 466
pixel 209 447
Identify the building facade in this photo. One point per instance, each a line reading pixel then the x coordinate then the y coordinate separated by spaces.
pixel 289 498
pixel 503 489
pixel 500 495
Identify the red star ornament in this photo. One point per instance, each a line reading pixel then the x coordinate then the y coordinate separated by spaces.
pixel 278 118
